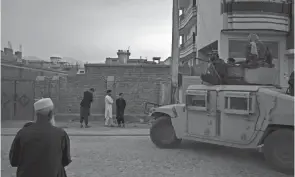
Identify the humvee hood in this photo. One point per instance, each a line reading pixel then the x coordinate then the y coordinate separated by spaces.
pixel 168 106
pixel 281 106
pixel 170 110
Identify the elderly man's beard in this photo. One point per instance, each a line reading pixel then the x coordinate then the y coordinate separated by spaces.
pixel 52 121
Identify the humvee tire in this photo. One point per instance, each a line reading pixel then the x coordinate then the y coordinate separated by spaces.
pixel 162 133
pixel 279 150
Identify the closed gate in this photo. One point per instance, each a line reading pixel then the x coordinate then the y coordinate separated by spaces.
pixel 17 99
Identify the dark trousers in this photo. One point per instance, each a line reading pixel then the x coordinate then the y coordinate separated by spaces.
pixel 120 116
pixel 291 90
pixel 84 114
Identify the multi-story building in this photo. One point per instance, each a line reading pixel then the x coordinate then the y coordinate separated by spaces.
pixel 188 32
pixel 224 25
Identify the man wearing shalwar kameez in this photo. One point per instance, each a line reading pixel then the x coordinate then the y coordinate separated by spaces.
pixel 41 149
pixel 108 109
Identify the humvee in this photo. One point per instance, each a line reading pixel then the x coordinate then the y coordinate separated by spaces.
pixel 240 116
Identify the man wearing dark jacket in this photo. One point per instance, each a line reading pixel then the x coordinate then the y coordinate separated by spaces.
pixel 217 71
pixel 85 107
pixel 120 105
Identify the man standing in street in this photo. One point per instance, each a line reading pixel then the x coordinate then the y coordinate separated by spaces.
pixel 41 149
pixel 120 105
pixel 85 107
pixel 108 109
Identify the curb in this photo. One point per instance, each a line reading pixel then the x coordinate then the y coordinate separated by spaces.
pixel 84 134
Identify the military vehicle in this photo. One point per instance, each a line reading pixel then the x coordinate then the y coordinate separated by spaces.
pixel 240 116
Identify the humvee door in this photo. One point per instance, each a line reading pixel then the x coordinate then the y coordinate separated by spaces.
pixel 238 116
pixel 201 113
pixel 228 116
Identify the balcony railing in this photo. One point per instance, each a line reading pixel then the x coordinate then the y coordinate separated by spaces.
pixel 187 15
pixel 260 15
pixel 188 47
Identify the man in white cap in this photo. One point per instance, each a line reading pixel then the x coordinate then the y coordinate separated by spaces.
pixel 41 149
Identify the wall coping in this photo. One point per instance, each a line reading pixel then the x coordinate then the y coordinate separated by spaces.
pixel 126 65
pixel 36 69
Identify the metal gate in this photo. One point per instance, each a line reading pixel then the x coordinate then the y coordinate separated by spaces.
pixel 17 99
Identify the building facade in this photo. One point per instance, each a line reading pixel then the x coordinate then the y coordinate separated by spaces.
pixel 224 25
pixel 188 32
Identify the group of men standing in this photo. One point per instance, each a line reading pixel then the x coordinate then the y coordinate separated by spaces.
pixel 120 108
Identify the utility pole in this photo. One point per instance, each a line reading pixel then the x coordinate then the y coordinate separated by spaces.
pixel 175 52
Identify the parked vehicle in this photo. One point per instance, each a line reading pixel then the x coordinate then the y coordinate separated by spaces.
pixel 240 116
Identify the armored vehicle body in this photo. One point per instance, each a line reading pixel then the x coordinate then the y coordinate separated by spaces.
pixel 240 116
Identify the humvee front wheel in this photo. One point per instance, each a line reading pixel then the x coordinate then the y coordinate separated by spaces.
pixel 279 150
pixel 162 133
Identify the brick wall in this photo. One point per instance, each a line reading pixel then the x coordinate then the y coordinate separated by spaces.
pixel 138 83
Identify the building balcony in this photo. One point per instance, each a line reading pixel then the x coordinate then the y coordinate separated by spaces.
pixel 187 48
pixel 188 18
pixel 256 15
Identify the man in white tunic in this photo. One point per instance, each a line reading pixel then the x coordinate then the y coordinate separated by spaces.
pixel 108 109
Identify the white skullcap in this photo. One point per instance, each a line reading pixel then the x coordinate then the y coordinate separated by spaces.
pixel 44 103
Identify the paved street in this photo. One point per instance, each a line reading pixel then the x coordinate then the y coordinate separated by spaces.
pixel 138 157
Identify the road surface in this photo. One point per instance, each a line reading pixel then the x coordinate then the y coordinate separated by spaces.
pixel 138 157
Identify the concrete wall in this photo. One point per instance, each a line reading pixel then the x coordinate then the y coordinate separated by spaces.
pixel 139 84
pixel 209 23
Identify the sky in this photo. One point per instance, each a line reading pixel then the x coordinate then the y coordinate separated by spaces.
pixel 88 30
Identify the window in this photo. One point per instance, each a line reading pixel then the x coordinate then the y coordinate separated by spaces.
pixel 181 40
pixel 239 103
pixel 197 100
pixel 180 12
pixel 237 48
